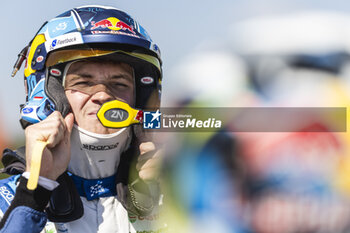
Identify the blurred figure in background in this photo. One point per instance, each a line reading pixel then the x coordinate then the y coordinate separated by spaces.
pixel 265 182
pixel 211 78
pixel 293 178
pixel 202 170
pixel 287 55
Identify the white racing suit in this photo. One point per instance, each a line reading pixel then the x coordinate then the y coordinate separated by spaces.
pixel 94 157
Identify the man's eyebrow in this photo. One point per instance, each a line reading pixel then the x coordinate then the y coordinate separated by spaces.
pixel 81 75
pixel 122 76
pixel 113 77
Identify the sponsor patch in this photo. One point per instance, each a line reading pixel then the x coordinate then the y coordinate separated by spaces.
pixel 112 23
pixel 7 194
pixel 63 41
pixel 27 110
pixel 147 80
pixel 39 59
pixel 132 218
pixel 114 32
pixel 55 72
pixel 100 147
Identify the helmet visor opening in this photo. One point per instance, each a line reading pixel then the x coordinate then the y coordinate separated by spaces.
pixel 77 54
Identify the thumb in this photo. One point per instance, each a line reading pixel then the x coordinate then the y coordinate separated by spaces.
pixel 69 119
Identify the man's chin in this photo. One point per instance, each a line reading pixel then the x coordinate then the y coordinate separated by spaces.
pixel 104 130
pixel 92 124
pixel 97 127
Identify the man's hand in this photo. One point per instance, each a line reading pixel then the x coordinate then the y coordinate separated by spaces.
pixel 56 131
pixel 149 161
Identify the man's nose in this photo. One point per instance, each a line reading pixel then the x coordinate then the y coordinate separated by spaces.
pixel 101 94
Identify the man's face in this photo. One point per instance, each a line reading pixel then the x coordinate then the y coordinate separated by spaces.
pixel 90 84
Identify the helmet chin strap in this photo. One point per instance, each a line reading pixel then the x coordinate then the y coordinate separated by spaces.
pixel 57 95
pixel 95 156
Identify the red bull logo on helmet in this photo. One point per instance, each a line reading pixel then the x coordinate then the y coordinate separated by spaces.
pixel 112 23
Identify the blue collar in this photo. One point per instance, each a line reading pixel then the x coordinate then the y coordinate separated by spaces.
pixel 95 188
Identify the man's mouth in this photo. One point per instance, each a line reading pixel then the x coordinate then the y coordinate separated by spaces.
pixel 93 113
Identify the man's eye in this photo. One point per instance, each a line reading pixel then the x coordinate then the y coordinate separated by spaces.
pixel 120 85
pixel 81 83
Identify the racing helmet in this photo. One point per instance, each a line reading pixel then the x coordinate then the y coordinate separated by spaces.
pixel 83 33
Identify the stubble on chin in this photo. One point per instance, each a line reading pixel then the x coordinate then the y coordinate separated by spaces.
pixel 92 124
